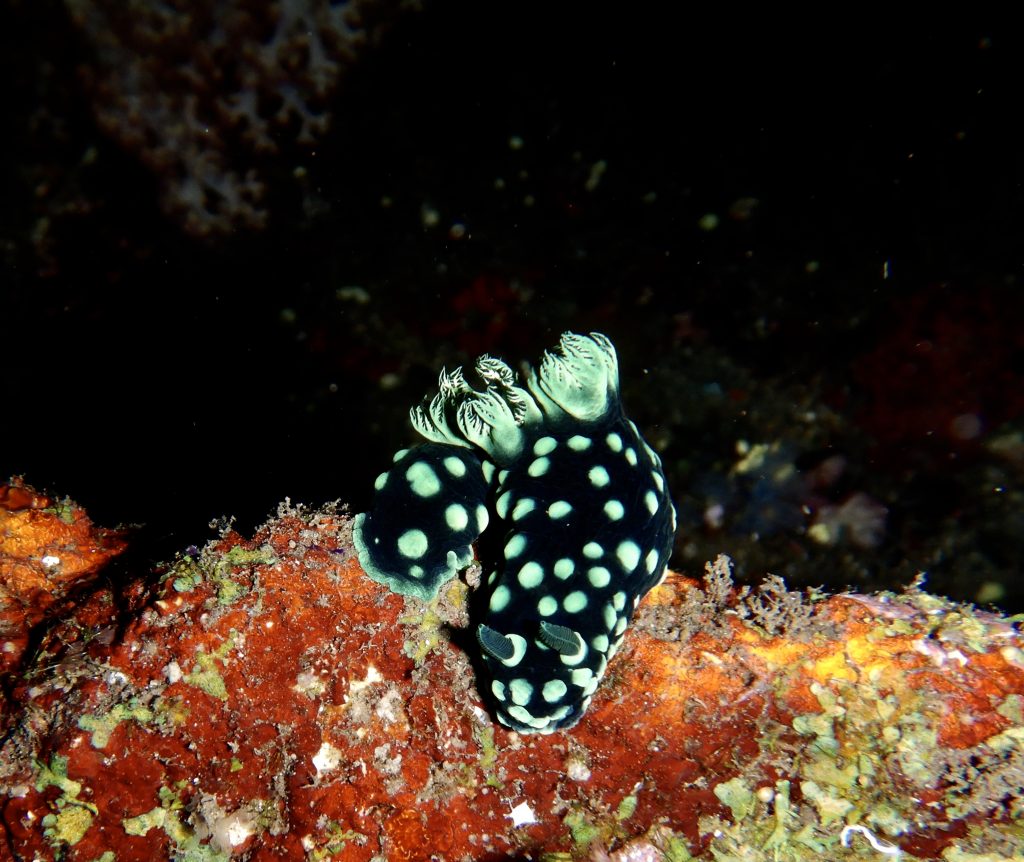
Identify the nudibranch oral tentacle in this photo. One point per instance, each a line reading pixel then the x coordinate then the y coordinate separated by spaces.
pixel 577 499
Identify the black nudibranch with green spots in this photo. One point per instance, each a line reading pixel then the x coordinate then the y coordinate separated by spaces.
pixel 580 505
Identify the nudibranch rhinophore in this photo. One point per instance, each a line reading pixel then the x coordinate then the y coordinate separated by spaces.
pixel 577 498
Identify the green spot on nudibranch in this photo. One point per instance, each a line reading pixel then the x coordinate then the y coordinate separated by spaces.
pixel 547 606
pixel 628 553
pixel 553 690
pixel 581 676
pixel 564 568
pixel 455 466
pixel 578 443
pixel 521 714
pixel 515 546
pixel 530 575
pixel 538 467
pixel 518 651
pixel 545 446
pixel 423 479
pixel 598 476
pixel 599 577
pixel 559 509
pixel 560 713
pixel 413 544
pixel 574 658
pixel 614 510
pixel 521 691
pixel 593 550
pixel 651 502
pixel 523 508
pixel 614 442
pixel 500 598
pixel 575 602
pixel 456 517
pixel 380 481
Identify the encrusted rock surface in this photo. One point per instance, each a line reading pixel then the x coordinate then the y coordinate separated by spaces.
pixel 48 549
pixel 263 698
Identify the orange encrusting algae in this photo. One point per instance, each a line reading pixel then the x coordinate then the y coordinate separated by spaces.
pixel 268 699
pixel 47 548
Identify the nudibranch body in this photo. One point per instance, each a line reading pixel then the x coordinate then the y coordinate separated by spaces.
pixel 580 507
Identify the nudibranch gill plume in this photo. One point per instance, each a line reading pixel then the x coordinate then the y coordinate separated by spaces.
pixel 576 501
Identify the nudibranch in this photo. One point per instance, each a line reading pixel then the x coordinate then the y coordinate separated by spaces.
pixel 573 496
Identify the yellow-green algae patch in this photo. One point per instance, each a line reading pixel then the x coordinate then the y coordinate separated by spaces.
pixel 103 725
pixel 831 808
pixel 206 677
pixel 219 570
pixel 487 759
pixel 843 776
pixel 585 828
pixel 659 843
pixel 165 817
pixel 426 622
pixel 73 817
pixel 876 730
pixel 336 839
pixel 426 634
pixel 737 796
pixel 69 824
pixel 55 774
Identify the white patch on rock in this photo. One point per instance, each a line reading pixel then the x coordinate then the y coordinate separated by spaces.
pixel 522 815
pixel 327 758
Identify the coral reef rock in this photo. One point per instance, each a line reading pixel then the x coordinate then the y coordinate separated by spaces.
pixel 206 95
pixel 264 698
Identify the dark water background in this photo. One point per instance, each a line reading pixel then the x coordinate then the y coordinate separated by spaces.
pixel 804 238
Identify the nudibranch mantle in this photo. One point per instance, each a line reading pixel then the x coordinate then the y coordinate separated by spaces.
pixel 577 498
